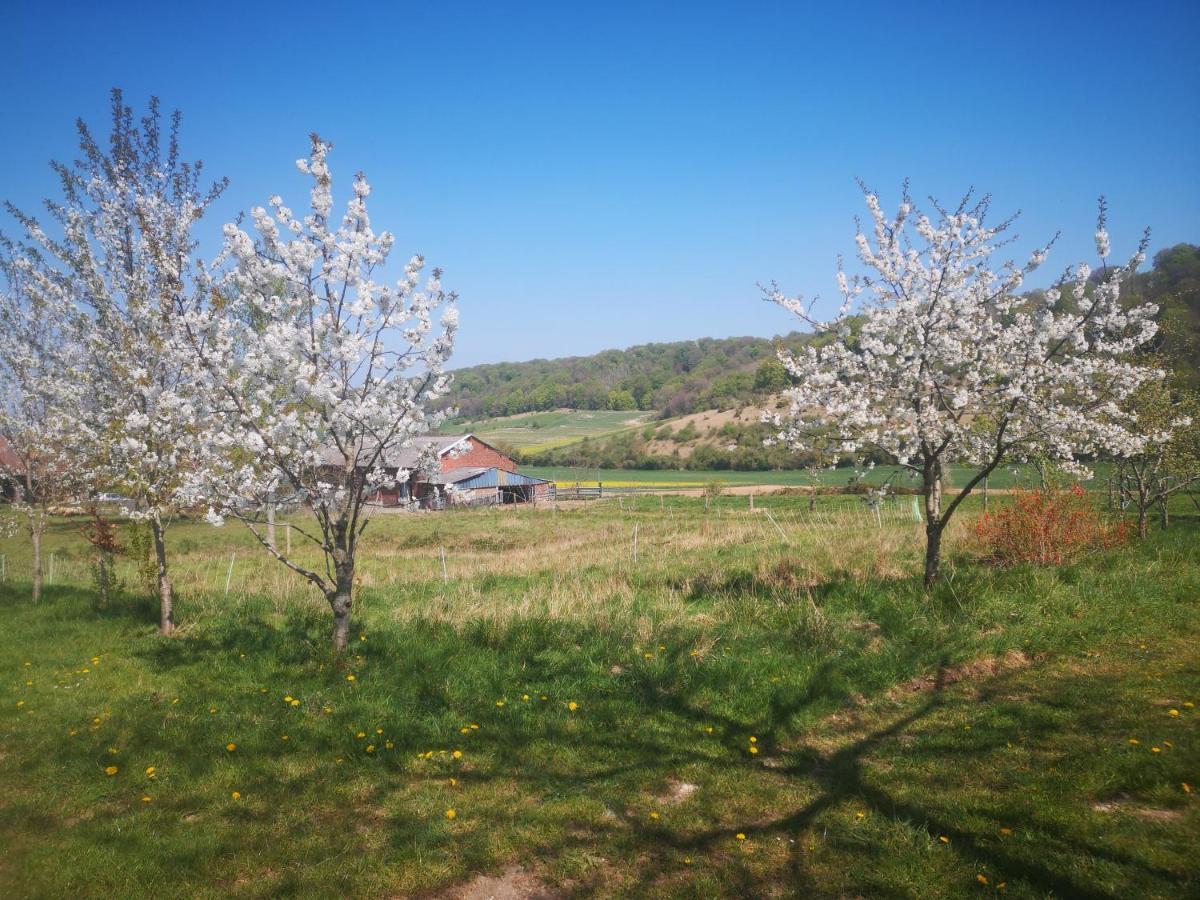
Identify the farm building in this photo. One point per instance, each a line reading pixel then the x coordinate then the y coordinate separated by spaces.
pixel 480 486
pixel 470 471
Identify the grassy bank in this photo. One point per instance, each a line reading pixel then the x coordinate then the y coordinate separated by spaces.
pixel 735 713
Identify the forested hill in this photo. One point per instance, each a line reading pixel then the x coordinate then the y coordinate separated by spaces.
pixel 712 373
pixel 671 378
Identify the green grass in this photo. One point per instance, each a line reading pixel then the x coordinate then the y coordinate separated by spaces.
pixel 548 430
pixel 996 712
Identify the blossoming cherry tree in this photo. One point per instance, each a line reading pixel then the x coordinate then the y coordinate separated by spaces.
pixel 936 358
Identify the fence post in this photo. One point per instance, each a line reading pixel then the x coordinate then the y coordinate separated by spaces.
pixel 635 532
pixel 288 526
pixel 445 574
pixel 50 577
pixel 3 567
pixel 229 574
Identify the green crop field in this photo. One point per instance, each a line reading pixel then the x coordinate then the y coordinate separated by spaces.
pixel 753 706
pixel 1022 476
pixel 547 430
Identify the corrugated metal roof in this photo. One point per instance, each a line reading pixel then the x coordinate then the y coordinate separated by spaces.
pixel 480 477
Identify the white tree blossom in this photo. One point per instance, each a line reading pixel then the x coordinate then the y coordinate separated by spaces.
pixel 936 357
pixel 317 371
pixel 123 261
pixel 39 391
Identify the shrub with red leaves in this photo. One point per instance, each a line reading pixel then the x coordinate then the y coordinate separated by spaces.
pixel 1046 527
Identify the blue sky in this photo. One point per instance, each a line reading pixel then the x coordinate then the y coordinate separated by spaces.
pixel 604 175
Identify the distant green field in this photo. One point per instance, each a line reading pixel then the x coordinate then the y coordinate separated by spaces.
pixel 1003 478
pixel 547 430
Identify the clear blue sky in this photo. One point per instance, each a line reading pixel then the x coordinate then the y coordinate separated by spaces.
pixel 600 176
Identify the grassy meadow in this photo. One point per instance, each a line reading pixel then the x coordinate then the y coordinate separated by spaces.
pixel 548 430
pixel 756 705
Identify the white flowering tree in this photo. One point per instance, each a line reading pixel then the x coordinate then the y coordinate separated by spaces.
pixel 121 257
pixel 317 370
pixel 38 392
pixel 945 362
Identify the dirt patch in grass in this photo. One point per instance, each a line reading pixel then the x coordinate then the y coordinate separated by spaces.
pixel 514 883
pixel 986 667
pixel 1145 813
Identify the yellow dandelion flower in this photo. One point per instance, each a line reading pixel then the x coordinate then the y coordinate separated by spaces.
pixel 231 746
pixel 739 836
pixel 287 699
pixel 453 782
pixel 464 730
pixel 29 684
pixel 96 721
pixel 328 710
pixel 362 637
pixel 1001 885
pixel 72 733
pixel 174 701
pixel 145 798
pixel 1188 704
pixel 654 815
pixel 388 746
pixel 499 702
pixel 708 730
pixel 450 814
pixel 379 731
pixel 1187 788
pixel 1134 741
pixel 687 860
pixel 525 697
pixel 943 839
pixel 283 737
pixel 572 706
pixel 457 754
pixel 860 815
pixel 648 655
pixel 543 697
pixel 361 734
pixel 1168 744
pixel 295 703
pixel 85 671
pixel 474 726
pixel 20 703
pixel 212 709
pixel 150 770
pixel 1173 713
pixel 981 878
pixel 111 770
pixel 350 677
pixel 753 739
pixel 753 749
pixel 370 748
pixel 236 795
pixel 1006 831
pixel 1156 749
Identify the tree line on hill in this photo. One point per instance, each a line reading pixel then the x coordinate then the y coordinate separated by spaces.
pixel 683 377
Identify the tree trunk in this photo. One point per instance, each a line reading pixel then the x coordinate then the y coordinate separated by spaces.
pixel 341 602
pixel 35 533
pixel 271 520
pixel 933 553
pixel 1163 515
pixel 166 622
pixel 1143 527
pixel 933 521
